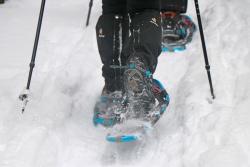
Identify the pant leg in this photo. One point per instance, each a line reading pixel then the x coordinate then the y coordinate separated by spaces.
pixel 174 5
pixel 145 28
pixel 114 6
pixel 108 29
pixel 141 5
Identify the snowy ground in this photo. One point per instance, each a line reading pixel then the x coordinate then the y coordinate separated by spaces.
pixel 56 129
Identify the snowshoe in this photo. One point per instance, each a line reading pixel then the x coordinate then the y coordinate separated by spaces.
pixel 116 111
pixel 144 94
pixel 178 30
pixel 135 129
pixel 137 85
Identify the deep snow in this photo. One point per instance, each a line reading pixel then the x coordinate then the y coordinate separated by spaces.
pixel 56 129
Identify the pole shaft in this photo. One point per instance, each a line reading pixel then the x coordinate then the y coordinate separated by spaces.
pixel 204 48
pixel 89 13
pixel 33 58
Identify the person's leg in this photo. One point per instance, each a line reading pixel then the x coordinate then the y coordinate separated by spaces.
pixel 145 28
pixel 109 28
pixel 141 51
pixel 108 31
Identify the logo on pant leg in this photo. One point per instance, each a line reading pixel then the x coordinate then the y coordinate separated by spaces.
pixel 154 21
pixel 100 33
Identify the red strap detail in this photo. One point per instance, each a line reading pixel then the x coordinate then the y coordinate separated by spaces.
pixel 168 14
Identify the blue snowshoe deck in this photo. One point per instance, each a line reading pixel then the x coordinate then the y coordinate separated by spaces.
pixel 130 131
pixel 123 127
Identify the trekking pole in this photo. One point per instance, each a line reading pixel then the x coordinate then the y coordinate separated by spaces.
pixel 204 48
pixel 25 94
pixel 89 13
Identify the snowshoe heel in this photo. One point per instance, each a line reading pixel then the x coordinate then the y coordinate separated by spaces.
pixel 121 139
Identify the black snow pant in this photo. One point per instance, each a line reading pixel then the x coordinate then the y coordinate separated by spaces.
pixel 179 6
pixel 125 28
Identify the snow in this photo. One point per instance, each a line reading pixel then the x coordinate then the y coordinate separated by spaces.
pixel 57 131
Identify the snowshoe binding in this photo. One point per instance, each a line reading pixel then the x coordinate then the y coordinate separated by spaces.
pixel 109 108
pixel 145 100
pixel 137 85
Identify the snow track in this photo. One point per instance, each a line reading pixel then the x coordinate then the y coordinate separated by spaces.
pixel 57 131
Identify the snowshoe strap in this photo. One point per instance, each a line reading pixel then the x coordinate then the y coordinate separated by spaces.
pixel 134 66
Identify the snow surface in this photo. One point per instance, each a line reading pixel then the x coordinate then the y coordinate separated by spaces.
pixel 56 129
